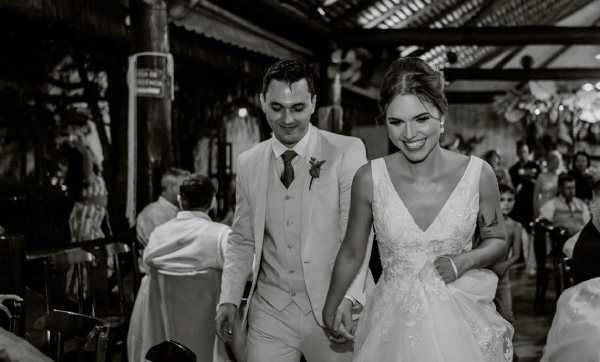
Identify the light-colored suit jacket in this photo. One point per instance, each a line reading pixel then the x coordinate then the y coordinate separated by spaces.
pixel 325 210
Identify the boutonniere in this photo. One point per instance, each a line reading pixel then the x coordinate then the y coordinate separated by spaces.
pixel 315 170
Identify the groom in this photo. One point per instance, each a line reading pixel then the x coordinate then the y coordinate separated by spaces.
pixel 293 197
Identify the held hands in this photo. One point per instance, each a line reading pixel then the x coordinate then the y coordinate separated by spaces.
pixel 224 321
pixel 340 325
pixel 449 267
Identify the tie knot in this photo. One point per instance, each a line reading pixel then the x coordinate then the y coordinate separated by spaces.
pixel 289 155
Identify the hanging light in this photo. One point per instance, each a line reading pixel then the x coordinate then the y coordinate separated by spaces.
pixel 587 87
pixel 561 107
pixel 537 111
pixel 243 112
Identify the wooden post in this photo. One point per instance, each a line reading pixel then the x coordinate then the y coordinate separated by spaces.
pixel 330 114
pixel 149 33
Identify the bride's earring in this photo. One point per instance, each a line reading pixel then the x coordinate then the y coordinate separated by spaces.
pixel 442 127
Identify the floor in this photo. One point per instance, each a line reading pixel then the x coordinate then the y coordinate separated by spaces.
pixel 530 329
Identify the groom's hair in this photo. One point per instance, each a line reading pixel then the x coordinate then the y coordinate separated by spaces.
pixel 290 71
pixel 196 192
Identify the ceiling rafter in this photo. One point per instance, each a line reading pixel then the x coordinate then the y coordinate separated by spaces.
pixel 492 35
pixel 523 74
pixel 424 18
pixel 394 10
pixel 353 12
pixel 551 12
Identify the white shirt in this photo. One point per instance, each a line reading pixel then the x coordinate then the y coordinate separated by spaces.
pixel 187 244
pixel 301 148
pixel 154 214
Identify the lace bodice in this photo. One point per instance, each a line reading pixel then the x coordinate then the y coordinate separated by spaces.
pixel 413 315
pixel 403 246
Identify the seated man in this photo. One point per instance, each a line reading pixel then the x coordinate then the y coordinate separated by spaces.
pixel 164 208
pixel 586 252
pixel 565 209
pixel 178 297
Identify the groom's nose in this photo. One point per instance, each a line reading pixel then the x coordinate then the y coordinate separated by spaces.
pixel 287 116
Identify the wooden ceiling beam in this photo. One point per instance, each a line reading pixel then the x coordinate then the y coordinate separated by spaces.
pixel 354 11
pixel 590 74
pixel 499 36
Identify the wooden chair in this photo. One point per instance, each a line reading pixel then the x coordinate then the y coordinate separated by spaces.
pixel 55 265
pixel 12 306
pixel 170 351
pixel 103 306
pixel 89 333
pixel 548 262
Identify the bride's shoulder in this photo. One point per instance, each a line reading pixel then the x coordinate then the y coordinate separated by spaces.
pixel 454 160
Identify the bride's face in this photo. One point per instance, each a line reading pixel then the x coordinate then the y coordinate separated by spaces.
pixel 413 126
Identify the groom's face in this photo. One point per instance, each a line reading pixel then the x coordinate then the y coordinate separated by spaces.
pixel 288 108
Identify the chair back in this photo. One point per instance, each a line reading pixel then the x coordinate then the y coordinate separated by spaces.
pixel 162 308
pixel 75 259
pixel 12 306
pixel 100 291
pixel 170 351
pixel 548 241
pixel 90 333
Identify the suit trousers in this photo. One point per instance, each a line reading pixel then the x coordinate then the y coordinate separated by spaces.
pixel 288 334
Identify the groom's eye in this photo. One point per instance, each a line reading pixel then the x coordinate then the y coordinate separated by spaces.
pixel 298 109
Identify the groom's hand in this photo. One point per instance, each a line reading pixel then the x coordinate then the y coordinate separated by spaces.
pixel 224 321
pixel 342 323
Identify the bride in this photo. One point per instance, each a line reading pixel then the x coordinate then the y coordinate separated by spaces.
pixel 434 300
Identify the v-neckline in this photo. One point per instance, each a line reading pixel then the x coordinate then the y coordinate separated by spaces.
pixel 391 184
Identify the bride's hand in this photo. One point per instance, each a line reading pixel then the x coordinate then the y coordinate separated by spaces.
pixel 449 267
pixel 340 325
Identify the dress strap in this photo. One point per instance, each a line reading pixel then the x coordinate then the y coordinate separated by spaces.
pixel 474 169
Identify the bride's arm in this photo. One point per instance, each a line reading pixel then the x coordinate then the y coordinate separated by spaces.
pixel 492 231
pixel 352 252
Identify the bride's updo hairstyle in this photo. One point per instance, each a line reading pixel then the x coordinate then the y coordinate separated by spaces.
pixel 413 76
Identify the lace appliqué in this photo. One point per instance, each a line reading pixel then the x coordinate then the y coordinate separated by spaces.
pixel 490 338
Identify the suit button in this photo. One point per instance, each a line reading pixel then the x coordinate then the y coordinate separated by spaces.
pixel 287 197
pixel 291 272
pixel 290 246
pixel 293 294
pixel 288 223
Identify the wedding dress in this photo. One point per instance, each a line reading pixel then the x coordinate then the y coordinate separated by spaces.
pixel 575 331
pixel 413 315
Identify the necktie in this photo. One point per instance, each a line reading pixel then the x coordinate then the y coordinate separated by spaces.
pixel 288 170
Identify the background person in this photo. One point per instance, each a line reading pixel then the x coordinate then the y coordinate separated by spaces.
pixel 164 208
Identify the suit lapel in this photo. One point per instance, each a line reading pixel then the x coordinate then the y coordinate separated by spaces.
pixel 309 196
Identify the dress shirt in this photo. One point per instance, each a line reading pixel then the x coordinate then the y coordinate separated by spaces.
pixel 154 214
pixel 547 211
pixel 301 148
pixel 187 244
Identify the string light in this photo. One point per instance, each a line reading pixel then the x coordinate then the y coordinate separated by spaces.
pixel 587 87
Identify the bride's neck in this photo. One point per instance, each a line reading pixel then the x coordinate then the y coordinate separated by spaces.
pixel 426 168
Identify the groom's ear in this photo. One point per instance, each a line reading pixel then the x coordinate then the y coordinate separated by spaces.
pixel 263 105
pixel 313 104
